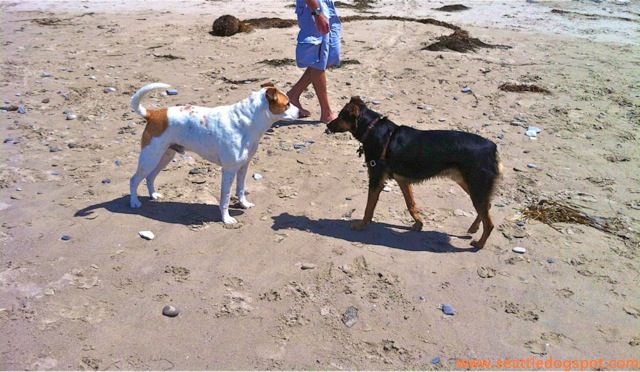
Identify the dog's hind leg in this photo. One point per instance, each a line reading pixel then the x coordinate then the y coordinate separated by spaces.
pixel 460 181
pixel 149 158
pixel 225 194
pixel 487 224
pixel 166 158
pixel 241 181
pixel 407 191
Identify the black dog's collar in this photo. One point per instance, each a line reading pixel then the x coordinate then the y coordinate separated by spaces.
pixel 368 130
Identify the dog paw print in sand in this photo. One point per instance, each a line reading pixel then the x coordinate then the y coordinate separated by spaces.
pixel 180 274
pixel 546 342
pixel 517 310
pixel 235 304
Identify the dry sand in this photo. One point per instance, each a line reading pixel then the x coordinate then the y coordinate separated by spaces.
pixel 95 301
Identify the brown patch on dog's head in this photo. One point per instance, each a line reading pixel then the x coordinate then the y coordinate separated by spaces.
pixel 348 118
pixel 267 84
pixel 278 101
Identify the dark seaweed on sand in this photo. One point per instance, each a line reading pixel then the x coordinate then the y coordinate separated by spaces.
pixel 453 8
pixel 460 41
pixel 551 212
pixel 524 87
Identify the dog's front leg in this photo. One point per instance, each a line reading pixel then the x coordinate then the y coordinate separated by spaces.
pixel 225 195
pixel 241 183
pixel 375 188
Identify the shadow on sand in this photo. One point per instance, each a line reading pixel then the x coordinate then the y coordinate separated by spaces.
pixel 164 211
pixel 376 233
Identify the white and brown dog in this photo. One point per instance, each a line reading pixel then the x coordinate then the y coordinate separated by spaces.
pixel 225 135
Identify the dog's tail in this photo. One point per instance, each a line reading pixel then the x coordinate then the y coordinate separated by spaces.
pixel 135 100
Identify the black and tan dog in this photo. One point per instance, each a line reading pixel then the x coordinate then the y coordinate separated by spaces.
pixel 409 155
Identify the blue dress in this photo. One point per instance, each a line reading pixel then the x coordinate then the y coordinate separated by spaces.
pixel 314 49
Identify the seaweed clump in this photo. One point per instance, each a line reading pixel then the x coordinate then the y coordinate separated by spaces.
pixel 228 25
pixel 523 87
pixel 460 41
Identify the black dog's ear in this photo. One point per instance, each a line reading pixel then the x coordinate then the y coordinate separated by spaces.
pixel 356 99
pixel 267 84
pixel 352 110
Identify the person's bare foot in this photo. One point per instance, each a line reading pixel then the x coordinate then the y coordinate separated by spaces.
pixel 326 119
pixel 296 102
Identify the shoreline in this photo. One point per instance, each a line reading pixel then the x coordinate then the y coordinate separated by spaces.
pixel 607 21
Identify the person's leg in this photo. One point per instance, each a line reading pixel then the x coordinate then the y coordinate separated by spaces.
pixel 296 91
pixel 319 81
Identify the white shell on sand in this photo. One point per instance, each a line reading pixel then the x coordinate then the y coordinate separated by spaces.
pixel 519 250
pixel 147 235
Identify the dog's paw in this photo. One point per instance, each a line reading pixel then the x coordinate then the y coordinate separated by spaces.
pixel 359 226
pixel 228 220
pixel 156 196
pixel 417 226
pixel 135 203
pixel 476 244
pixel 245 204
pixel 473 229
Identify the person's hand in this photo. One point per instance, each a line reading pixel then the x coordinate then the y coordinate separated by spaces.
pixel 322 23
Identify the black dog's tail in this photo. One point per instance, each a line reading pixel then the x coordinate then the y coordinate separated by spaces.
pixel 498 171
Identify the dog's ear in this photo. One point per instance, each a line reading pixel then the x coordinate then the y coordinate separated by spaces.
pixel 356 99
pixel 267 84
pixel 271 94
pixel 352 110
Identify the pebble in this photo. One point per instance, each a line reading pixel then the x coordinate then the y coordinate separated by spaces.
pixel 535 129
pixel 109 89
pixel 350 317
pixel 72 117
pixel 118 163
pixel 22 110
pixel 551 260
pixel 386 189
pixel 466 90
pixel 53 149
pixel 257 176
pixel 170 311
pixel 423 298
pixel 375 102
pixel 521 223
pixel 194 171
pixel 519 250
pixel 435 360
pixel 448 309
pixel 307 266
pixel 500 205
pixel 531 165
pixel 106 180
pixel 531 133
pixel 46 74
pixel 147 235
pixel 172 92
pixel 8 139
pixel 500 136
pixel 66 237
pixel 299 145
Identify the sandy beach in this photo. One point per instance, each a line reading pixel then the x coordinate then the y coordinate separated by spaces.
pixel 80 289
